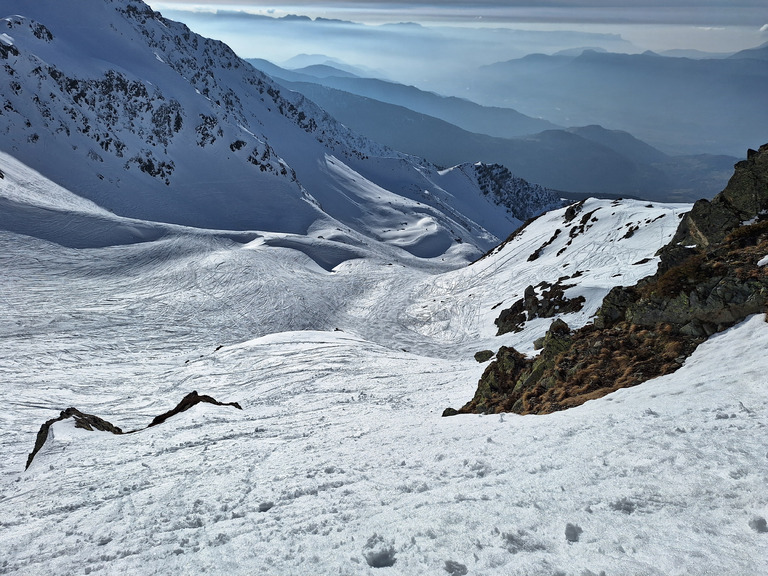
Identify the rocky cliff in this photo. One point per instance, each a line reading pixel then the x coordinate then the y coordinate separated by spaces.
pixel 711 276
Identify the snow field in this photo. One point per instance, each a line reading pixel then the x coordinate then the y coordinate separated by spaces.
pixel 339 440
pixel 339 458
pixel 343 352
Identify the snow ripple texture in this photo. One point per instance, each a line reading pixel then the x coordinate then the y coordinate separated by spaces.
pixel 339 462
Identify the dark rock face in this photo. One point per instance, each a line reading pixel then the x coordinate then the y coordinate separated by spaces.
pixel 85 421
pixel 573 532
pixel 90 422
pixel 483 355
pixel 744 198
pixel 186 403
pixel 703 291
pixel 520 198
pixel 553 301
pixel 707 281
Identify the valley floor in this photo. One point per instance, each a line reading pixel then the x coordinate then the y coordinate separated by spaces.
pixel 339 462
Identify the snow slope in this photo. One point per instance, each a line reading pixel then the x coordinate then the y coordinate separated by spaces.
pixel 148 120
pixel 343 352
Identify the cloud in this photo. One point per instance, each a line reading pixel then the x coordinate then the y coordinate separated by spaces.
pixel 686 12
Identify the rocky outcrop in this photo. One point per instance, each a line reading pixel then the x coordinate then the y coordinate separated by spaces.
pixel 520 198
pixel 744 198
pixel 550 302
pixel 709 279
pixel 90 422
pixel 483 356
pixel 84 421
pixel 187 402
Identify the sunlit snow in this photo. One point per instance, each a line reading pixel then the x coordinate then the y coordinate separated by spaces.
pixel 343 356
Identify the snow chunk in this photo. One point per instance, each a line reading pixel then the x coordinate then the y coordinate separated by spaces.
pixel 763 261
pixel 5 39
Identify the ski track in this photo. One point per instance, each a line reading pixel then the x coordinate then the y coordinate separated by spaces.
pixel 340 447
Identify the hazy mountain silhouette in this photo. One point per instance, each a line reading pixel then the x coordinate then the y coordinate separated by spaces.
pixel 586 160
pixel 494 121
pixel 679 105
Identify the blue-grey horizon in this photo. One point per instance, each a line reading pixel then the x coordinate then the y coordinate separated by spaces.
pixel 693 12
pixel 709 26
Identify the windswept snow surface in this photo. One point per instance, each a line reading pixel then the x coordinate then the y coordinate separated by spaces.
pixel 343 354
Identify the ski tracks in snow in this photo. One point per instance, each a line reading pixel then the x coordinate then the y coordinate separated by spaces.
pixel 339 459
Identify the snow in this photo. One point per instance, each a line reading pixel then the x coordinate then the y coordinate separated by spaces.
pixel 339 311
pixel 763 261
pixel 152 122
pixel 343 355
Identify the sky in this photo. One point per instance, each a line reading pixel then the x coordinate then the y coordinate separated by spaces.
pixel 711 13
pixel 455 36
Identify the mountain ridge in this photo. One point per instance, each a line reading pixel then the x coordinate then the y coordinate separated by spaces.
pixel 680 105
pixel 711 276
pixel 154 122
pixel 586 160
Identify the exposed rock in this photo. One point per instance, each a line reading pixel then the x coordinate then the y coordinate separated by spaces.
pixel 85 421
pixel 573 210
pixel 744 198
pixel 538 251
pixel 520 198
pixel 455 568
pixel 746 190
pixel 379 553
pixel 483 355
pixel 707 281
pixel 553 301
pixel 186 403
pixel 703 291
pixel 572 532
pixel 759 525
pixel 90 422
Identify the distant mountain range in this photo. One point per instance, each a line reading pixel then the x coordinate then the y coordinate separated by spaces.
pixel 494 121
pixel 683 102
pixel 577 161
pixel 680 105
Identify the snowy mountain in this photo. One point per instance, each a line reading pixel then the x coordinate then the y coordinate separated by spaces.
pixel 247 376
pixel 148 120
pixel 338 460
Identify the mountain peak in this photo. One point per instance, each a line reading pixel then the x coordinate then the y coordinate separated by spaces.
pixel 151 121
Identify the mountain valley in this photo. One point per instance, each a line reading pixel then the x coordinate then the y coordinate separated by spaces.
pixel 232 322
